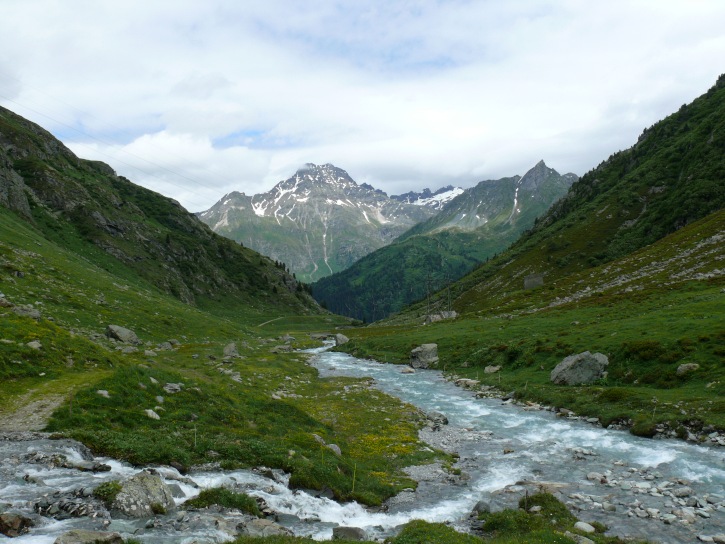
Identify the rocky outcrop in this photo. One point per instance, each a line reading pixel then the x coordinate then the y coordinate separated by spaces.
pixel 581 369
pixel 341 339
pixel 81 536
pixel 122 334
pixel 230 350
pixel 424 356
pixel 686 368
pixel 13 525
pixel 262 528
pixel 436 420
pixel 143 495
pixel 356 534
pixel 27 310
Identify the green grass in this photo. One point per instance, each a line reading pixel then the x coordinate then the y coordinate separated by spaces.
pixel 214 418
pixel 239 424
pixel 107 491
pixel 646 335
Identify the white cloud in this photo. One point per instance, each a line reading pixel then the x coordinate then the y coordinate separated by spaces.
pixel 198 99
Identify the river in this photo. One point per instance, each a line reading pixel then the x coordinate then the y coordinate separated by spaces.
pixel 662 490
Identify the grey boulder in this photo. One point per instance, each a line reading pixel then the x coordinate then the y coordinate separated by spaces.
pixel 81 536
pixel 580 369
pixel 424 356
pixel 349 533
pixel 262 528
pixel 122 334
pixel 142 495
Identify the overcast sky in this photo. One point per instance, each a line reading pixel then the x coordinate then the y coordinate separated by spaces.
pixel 197 98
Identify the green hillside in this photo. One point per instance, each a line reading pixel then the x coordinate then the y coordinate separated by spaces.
pixel 82 249
pixel 122 227
pixel 476 225
pixel 631 263
pixel 673 176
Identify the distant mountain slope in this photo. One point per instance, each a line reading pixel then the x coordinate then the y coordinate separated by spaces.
pixel 84 207
pixel 473 226
pixel 317 222
pixel 673 176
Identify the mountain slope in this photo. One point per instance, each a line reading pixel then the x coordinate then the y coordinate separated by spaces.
pixel 473 226
pixel 673 176
pixel 632 268
pixel 317 222
pixel 131 231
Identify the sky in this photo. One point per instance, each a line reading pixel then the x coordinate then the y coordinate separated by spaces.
pixel 195 99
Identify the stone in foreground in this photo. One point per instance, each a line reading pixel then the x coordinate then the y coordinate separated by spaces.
pixel 14 525
pixel 581 369
pixel 348 533
pixel 141 494
pixel 262 528
pixel 81 536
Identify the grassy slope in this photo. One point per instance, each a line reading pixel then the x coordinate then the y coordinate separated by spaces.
pixel 650 308
pixel 647 327
pixel 132 231
pixel 438 251
pixel 215 418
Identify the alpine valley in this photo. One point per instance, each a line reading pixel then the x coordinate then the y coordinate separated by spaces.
pixel 162 383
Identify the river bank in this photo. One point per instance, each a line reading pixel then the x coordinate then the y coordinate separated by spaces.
pixel 657 490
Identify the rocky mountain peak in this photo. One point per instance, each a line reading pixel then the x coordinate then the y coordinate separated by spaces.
pixel 539 173
pixel 317 221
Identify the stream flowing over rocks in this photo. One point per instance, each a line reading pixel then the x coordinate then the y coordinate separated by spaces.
pixel 661 490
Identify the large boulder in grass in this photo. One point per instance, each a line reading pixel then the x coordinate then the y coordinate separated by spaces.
pixel 230 350
pixel 122 334
pixel 341 339
pixel 143 495
pixel 580 369
pixel 424 356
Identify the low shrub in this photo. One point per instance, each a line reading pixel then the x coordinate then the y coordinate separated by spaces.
pixel 227 498
pixel 107 491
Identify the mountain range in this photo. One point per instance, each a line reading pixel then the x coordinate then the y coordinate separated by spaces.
pixel 470 228
pixel 319 221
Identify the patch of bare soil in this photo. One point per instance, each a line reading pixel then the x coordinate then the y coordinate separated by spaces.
pixel 29 414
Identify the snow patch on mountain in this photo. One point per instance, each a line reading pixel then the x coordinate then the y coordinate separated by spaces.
pixel 437 200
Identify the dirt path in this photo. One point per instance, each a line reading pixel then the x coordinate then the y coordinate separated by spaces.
pixel 28 406
pixel 28 413
pixel 270 321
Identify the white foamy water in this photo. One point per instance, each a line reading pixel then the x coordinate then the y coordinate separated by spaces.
pixel 499 446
